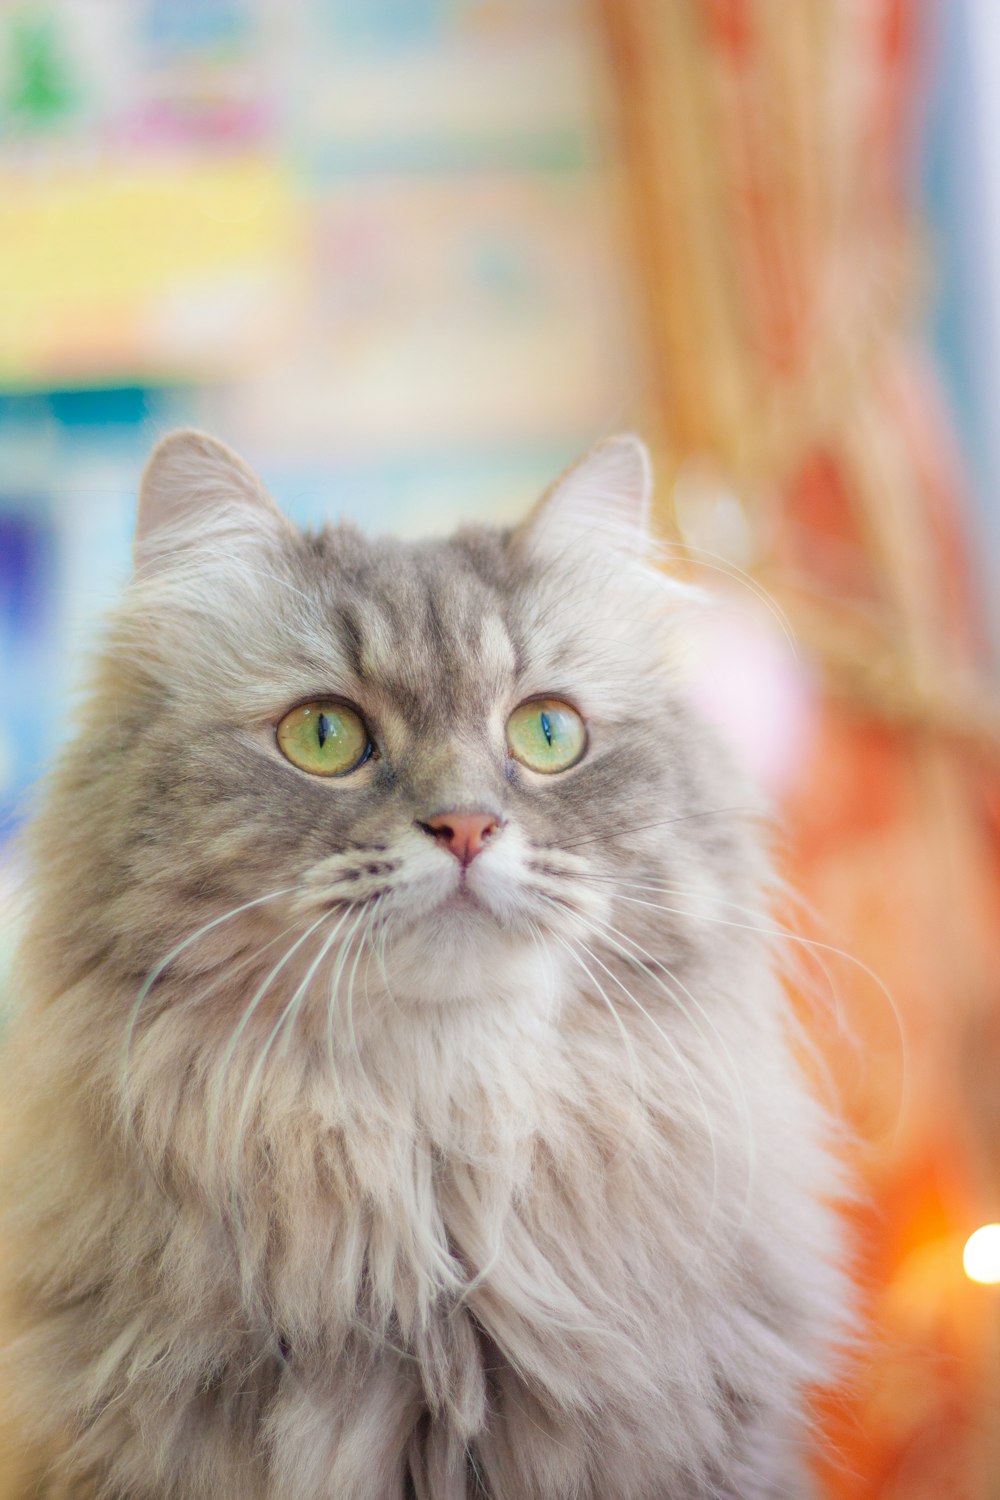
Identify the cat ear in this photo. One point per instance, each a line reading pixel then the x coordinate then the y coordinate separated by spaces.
pixel 604 497
pixel 195 488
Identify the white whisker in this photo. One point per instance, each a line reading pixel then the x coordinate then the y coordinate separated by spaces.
pixel 214 1101
pixel 350 983
pixel 631 950
pixel 165 963
pixel 658 887
pixel 637 1080
pixel 334 987
pixel 787 935
pixel 249 1089
pixel 675 1050
pixel 707 812
pixel 728 569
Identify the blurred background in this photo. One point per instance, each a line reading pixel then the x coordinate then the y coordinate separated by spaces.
pixel 410 257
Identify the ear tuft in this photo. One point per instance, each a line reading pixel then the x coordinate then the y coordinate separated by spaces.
pixel 191 481
pixel 605 497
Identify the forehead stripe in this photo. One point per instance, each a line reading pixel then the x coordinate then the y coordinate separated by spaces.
pixel 350 631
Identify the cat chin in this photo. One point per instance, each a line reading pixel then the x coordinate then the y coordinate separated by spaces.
pixel 462 954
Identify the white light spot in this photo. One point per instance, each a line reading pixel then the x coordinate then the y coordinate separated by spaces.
pixel 981 1257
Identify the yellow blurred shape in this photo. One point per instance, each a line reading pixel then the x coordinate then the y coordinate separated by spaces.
pixel 981 1256
pixel 175 271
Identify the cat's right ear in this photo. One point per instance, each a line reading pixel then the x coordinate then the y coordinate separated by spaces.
pixel 195 490
pixel 605 497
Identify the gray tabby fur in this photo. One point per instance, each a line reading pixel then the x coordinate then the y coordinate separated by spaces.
pixel 353 1192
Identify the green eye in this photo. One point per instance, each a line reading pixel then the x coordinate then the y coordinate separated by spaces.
pixel 546 735
pixel 326 739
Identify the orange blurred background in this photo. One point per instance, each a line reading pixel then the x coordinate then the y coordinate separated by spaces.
pixel 410 256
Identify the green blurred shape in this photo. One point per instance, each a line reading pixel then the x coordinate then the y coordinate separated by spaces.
pixel 41 91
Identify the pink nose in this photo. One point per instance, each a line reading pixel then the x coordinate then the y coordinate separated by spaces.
pixel 464 834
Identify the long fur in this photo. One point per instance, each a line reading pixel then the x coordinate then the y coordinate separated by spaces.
pixel 321 1186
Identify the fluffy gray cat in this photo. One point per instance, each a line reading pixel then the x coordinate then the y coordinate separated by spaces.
pixel 402 1102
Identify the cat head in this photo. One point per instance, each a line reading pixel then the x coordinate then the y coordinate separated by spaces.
pixel 453 752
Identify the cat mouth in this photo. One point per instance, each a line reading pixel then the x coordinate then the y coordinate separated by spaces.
pixel 462 899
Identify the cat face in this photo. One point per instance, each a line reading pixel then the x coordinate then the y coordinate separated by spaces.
pixel 451 753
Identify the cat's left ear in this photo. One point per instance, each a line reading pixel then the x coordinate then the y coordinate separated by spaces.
pixel 197 491
pixel 604 498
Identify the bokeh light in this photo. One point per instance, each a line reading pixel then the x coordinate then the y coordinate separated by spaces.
pixel 981 1256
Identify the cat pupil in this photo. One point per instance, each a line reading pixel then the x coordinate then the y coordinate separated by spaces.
pixel 546 727
pixel 322 729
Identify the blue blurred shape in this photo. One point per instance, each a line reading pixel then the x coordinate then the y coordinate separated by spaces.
pixel 196 25
pixel 125 406
pixel 387 23
pixel 27 595
pixel 26 554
